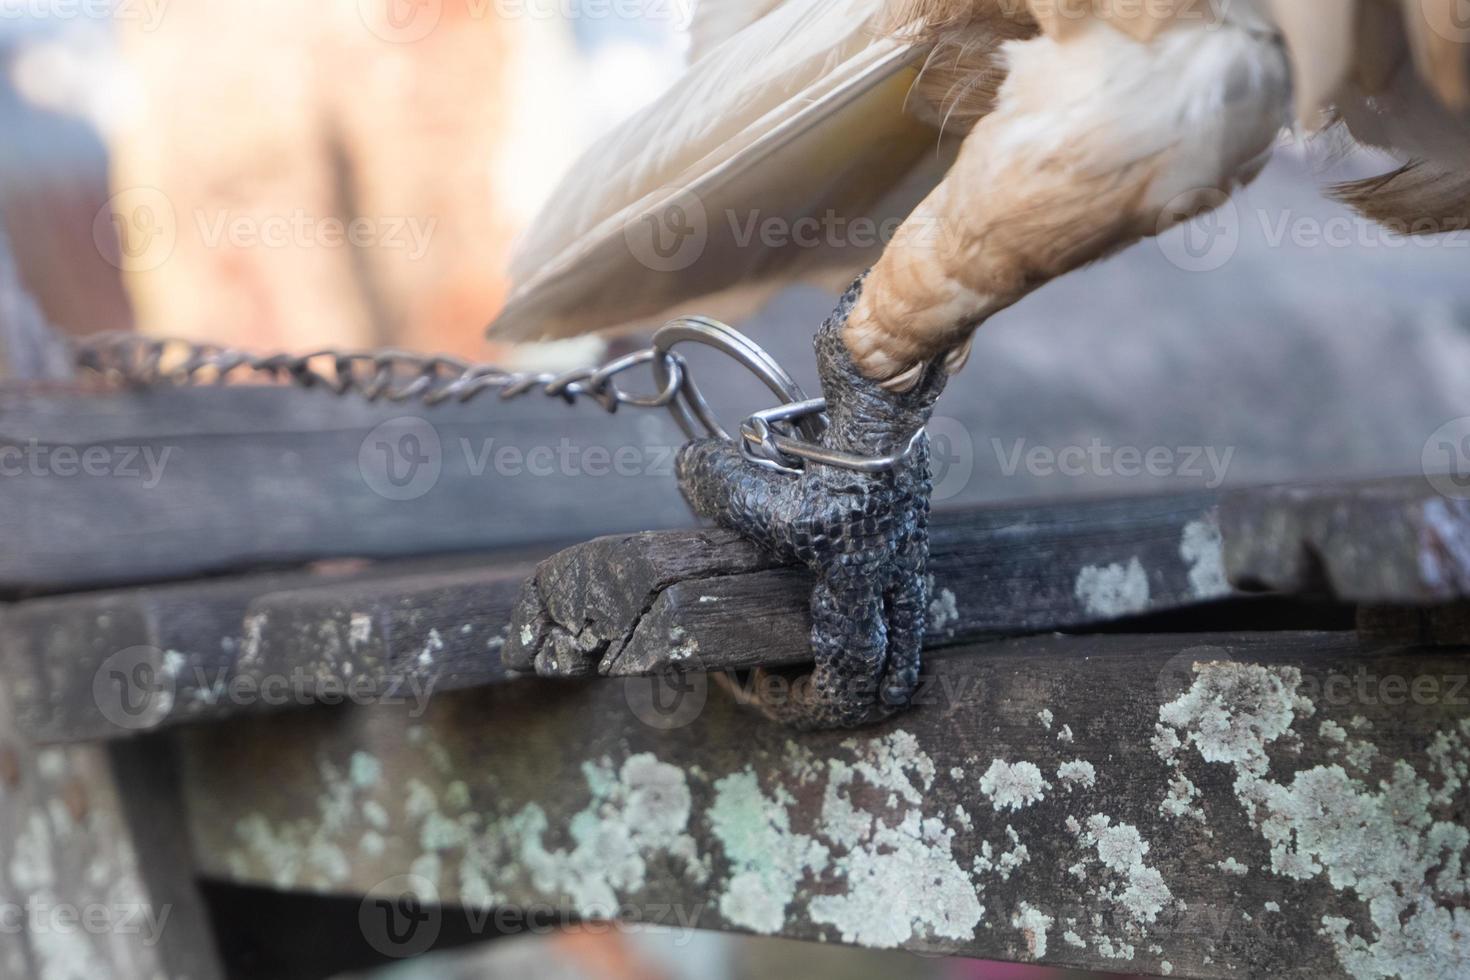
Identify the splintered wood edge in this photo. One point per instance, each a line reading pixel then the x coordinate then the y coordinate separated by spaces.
pixel 707 601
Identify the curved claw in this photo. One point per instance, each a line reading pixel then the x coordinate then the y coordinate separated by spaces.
pixel 864 535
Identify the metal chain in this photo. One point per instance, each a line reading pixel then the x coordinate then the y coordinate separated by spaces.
pixel 388 375
pixel 782 438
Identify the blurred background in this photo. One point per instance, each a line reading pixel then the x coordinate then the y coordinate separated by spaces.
pixel 355 172
pixel 288 174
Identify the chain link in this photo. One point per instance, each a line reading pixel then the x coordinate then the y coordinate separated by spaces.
pixel 387 375
pixel 784 438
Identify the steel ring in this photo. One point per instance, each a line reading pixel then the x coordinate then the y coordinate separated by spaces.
pixel 690 410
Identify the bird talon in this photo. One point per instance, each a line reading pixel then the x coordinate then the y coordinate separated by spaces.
pixel 865 535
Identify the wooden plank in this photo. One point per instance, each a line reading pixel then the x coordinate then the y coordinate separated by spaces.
pixel 641 603
pixel 95 879
pixel 1385 542
pixel 1207 805
pixel 105 665
pixel 116 487
pixel 111 664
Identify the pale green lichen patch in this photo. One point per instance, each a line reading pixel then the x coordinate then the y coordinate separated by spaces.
pixel 767 860
pixel 1231 866
pixel 1126 884
pixel 364 770
pixel 1034 925
pixel 1395 847
pixel 1113 590
pixel 1013 786
pixel 901 876
pixel 1002 863
pixel 1077 773
pixel 1200 547
pixel 894 864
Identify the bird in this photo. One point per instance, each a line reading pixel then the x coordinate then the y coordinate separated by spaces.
pixel 943 159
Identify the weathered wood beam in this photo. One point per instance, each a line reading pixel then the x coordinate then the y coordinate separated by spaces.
pixel 95 876
pixel 115 487
pixel 1208 805
pixel 107 664
pixel 112 664
pixel 1397 541
pixel 707 600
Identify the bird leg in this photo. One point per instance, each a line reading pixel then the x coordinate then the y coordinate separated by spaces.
pixel 864 535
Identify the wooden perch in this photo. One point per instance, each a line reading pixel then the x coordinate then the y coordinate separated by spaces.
pixel 1384 542
pixel 706 600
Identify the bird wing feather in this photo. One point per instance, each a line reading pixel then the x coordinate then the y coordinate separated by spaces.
pixel 699 199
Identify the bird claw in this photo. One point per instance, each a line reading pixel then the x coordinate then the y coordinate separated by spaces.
pixel 864 535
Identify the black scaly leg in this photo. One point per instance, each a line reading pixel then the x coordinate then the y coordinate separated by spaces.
pixel 864 535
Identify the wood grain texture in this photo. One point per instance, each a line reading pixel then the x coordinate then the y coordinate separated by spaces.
pixel 1385 542
pixel 109 665
pixel 1209 805
pixel 96 878
pixel 707 600
pixel 204 480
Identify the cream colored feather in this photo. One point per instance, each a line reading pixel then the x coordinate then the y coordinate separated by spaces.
pixel 811 113
pixel 716 21
pixel 798 116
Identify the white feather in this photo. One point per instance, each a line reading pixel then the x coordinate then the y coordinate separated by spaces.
pixel 799 114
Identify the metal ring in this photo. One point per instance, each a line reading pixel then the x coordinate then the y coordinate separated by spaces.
pixel 691 411
pixel 668 389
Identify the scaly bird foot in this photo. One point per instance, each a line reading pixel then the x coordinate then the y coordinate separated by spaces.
pixel 864 535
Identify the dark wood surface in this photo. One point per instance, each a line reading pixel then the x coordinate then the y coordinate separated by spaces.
pixel 108 664
pixel 207 480
pixel 96 879
pixel 1385 542
pixel 705 599
pixel 1211 805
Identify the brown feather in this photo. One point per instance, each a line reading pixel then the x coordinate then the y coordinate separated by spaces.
pixel 1416 199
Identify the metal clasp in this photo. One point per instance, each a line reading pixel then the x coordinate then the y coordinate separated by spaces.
pixel 784 438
